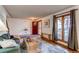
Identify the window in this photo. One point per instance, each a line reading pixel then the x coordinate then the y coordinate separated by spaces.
pixel 59 28
pixel 66 27
pixel 62 28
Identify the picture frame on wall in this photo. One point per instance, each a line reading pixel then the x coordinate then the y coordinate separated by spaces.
pixel 47 23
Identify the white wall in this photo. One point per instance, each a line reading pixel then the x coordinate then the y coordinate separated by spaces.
pixel 16 25
pixel 3 15
pixel 49 29
pixel 46 30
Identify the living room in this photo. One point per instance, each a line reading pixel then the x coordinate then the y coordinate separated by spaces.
pixel 25 22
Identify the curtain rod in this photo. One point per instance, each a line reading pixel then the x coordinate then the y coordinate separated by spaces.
pixel 65 12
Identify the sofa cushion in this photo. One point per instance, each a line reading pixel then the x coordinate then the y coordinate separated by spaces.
pixel 5 36
pixel 1 38
pixel 8 43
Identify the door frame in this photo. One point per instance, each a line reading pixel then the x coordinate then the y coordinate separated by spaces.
pixel 41 26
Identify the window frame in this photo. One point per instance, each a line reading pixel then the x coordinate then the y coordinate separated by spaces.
pixel 62 18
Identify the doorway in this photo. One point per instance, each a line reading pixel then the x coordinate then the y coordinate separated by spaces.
pixel 37 27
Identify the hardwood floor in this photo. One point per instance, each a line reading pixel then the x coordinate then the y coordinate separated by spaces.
pixel 56 43
pixel 49 46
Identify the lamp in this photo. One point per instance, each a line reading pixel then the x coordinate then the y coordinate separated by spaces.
pixel 2 26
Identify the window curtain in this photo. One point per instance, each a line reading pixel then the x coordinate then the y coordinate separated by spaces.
pixel 53 28
pixel 8 29
pixel 72 41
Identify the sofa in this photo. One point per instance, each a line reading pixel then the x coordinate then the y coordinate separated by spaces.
pixel 15 49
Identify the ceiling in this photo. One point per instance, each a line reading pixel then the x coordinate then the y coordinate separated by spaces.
pixel 26 11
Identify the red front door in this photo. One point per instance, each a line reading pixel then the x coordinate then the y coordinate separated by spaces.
pixel 34 28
